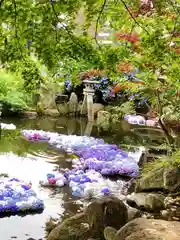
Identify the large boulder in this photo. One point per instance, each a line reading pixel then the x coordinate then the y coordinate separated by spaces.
pixel 61 98
pixel 172 212
pixel 153 202
pixel 103 212
pixel 145 229
pixel 73 104
pixel 62 103
pixel 133 213
pixel 167 179
pixel 63 108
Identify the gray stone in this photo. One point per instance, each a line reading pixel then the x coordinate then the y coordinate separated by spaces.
pixel 162 178
pixel 172 209
pixel 147 201
pixel 165 214
pixel 73 104
pixel 148 229
pixel 109 211
pixel 63 108
pixel 61 98
pixel 133 213
pixel 51 112
pixel 103 119
pixel 110 233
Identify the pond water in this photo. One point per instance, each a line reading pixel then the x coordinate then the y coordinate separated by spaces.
pixel 38 158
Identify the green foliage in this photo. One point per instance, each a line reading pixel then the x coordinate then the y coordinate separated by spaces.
pixel 63 35
pixel 118 112
pixel 12 93
pixel 171 113
pixel 164 162
pixel 30 72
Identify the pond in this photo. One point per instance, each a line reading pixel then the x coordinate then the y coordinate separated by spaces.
pixel 38 158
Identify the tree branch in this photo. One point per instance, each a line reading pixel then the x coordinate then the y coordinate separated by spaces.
pixel 126 7
pixel 70 34
pixel 15 25
pixel 132 28
pixel 98 19
pixel 177 11
pixel 1 2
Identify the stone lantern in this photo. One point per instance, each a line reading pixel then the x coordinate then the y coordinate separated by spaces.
pixel 87 106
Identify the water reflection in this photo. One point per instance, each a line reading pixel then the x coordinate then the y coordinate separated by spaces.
pixel 39 158
pixel 121 133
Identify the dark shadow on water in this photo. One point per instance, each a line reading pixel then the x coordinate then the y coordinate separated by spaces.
pixel 22 213
pixel 122 133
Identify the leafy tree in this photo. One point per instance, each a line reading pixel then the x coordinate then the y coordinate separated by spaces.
pixel 144 34
pixel 12 94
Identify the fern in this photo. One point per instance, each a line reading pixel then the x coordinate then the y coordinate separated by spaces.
pixel 164 162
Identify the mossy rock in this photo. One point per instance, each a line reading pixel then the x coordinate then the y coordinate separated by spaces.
pixel 109 211
pixel 63 108
pixel 152 202
pixel 40 108
pixel 72 228
pixel 167 179
pixel 147 229
pixel 110 233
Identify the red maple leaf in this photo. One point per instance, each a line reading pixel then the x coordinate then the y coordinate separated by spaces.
pixel 133 38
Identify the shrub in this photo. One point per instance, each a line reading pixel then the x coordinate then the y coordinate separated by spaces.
pixel 12 95
pixel 119 111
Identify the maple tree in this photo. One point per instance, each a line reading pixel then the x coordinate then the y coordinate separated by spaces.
pixel 144 34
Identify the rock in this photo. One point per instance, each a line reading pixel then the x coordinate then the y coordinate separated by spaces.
pixel 133 213
pixel 165 214
pixel 110 233
pixel 109 211
pixel 163 178
pixel 147 201
pixel 50 225
pixel 146 229
pixel 155 202
pixel 103 119
pixel 97 107
pixel 79 107
pixel 172 179
pixel 63 108
pixel 73 104
pixel 61 98
pixel 40 108
pixel 30 114
pixel 51 112
pixel 172 211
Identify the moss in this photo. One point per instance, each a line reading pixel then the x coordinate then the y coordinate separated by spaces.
pixel 40 108
pixel 110 233
pixel 91 223
pixel 165 163
pixel 151 180
pixel 50 225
